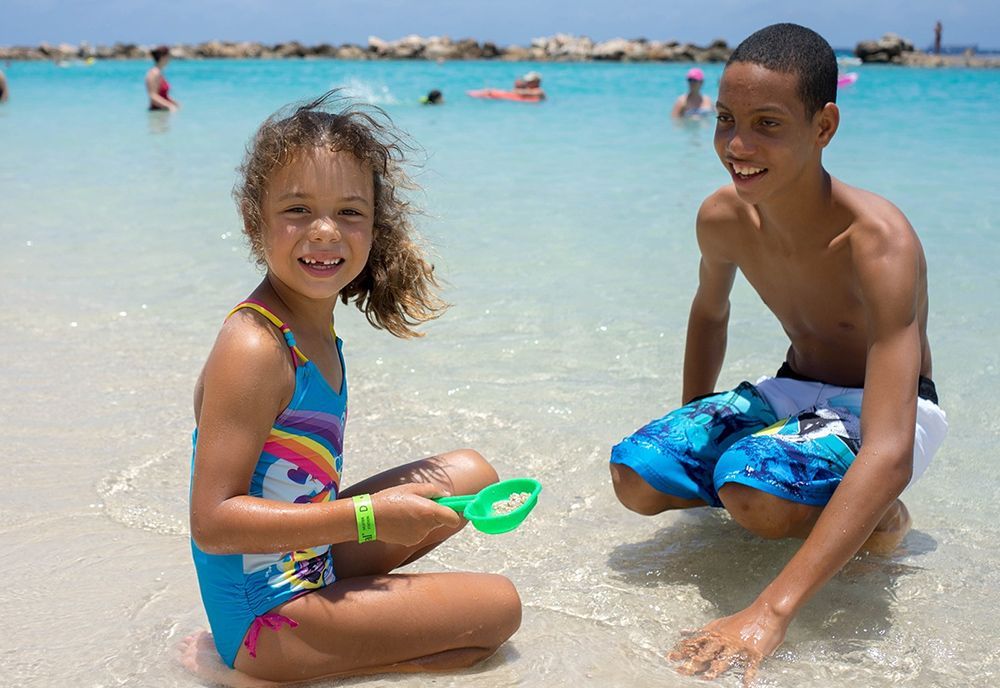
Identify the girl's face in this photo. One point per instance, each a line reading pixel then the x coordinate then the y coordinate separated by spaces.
pixel 318 212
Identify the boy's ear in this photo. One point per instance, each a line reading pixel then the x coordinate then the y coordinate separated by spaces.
pixel 827 120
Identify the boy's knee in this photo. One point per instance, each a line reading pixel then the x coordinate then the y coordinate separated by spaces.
pixel 763 514
pixel 635 493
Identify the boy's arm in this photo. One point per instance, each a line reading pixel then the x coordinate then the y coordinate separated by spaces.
pixel 708 320
pixel 888 268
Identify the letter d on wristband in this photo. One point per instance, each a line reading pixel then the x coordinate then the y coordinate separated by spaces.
pixel 365 515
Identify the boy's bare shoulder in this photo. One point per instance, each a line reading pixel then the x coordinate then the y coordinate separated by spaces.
pixel 724 207
pixel 723 215
pixel 877 224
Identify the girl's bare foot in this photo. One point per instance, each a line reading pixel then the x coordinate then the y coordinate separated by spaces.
pixel 197 654
pixel 890 531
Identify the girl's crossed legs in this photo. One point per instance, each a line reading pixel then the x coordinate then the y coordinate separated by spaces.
pixel 372 621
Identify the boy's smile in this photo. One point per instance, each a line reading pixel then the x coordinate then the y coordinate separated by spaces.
pixel 763 136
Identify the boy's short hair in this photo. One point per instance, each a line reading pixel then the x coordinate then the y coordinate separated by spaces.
pixel 794 49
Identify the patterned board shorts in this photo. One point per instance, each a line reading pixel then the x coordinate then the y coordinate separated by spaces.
pixel 790 437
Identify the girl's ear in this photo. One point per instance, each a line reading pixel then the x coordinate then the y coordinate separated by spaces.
pixel 827 120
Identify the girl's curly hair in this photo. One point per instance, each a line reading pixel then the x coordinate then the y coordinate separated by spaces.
pixel 396 290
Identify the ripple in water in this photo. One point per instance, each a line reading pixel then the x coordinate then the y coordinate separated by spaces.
pixel 150 495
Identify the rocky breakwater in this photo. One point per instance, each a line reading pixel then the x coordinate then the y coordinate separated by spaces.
pixel 558 48
pixel 894 49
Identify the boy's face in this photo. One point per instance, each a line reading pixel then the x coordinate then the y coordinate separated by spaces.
pixel 763 136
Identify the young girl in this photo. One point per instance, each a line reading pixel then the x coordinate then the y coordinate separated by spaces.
pixel 295 572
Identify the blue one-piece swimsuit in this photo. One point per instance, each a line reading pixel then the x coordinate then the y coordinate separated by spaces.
pixel 301 462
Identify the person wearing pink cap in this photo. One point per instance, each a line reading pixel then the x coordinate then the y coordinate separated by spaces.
pixel 694 103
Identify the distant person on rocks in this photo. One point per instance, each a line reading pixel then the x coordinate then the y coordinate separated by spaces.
pixel 434 97
pixel 529 85
pixel 156 83
pixel 937 37
pixel 694 103
pixel 4 90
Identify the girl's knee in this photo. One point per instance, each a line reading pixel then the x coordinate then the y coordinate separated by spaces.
pixel 505 604
pixel 469 467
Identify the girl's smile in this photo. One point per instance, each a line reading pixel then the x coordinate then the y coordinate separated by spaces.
pixel 319 213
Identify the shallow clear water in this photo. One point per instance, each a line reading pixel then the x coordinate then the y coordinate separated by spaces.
pixel 564 231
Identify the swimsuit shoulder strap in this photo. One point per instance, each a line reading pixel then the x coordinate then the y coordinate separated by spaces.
pixel 298 358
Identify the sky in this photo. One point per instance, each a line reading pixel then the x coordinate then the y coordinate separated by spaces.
pixel 505 22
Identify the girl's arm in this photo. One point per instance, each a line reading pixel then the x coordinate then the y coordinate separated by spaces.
pixel 248 380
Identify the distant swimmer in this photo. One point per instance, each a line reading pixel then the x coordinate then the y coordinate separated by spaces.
pixel 156 83
pixel 530 85
pixel 694 103
pixel 434 97
pixel 4 90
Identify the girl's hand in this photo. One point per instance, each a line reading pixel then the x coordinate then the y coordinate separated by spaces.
pixel 404 515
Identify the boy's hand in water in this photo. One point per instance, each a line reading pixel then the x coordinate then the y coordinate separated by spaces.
pixel 744 638
pixel 404 514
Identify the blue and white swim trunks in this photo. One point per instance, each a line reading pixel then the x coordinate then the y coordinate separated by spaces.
pixel 789 436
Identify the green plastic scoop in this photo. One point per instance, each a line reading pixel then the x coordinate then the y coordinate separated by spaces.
pixel 510 511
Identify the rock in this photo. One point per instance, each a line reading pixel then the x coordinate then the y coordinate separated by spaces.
pixel 290 49
pixel 564 47
pixel 351 52
pixel 889 48
pixel 615 49
pixel 560 47
pixel 407 48
pixel 377 46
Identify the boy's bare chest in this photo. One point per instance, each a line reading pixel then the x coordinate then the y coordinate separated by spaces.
pixel 812 292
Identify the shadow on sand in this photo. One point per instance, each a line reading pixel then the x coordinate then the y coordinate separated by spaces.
pixel 730 566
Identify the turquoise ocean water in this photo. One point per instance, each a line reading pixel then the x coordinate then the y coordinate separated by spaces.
pixel 564 232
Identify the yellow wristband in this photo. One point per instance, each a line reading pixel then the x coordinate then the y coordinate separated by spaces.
pixel 365 515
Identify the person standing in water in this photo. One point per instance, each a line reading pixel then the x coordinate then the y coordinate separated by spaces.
pixel 694 103
pixel 156 82
pixel 3 88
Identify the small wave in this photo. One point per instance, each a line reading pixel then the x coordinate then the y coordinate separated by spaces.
pixel 149 495
pixel 374 94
